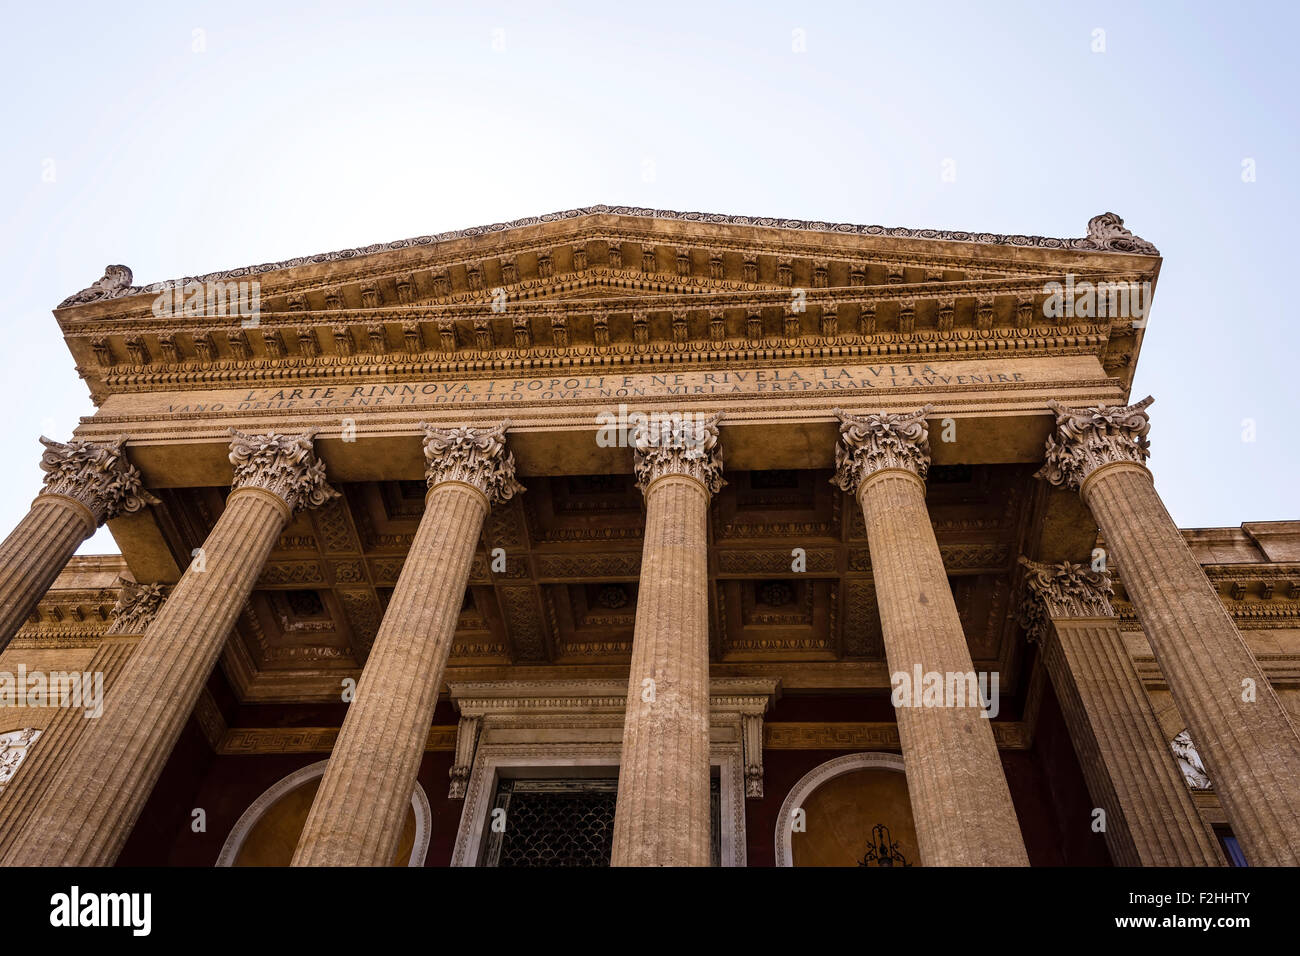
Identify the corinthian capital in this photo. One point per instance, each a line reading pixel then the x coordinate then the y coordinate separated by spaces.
pixel 1087 438
pixel 285 465
pixel 472 456
pixel 136 606
pixel 1062 591
pixel 679 446
pixel 96 474
pixel 871 443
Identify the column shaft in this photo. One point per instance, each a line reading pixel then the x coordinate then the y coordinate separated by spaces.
pixel 356 819
pixel 1249 746
pixel 34 553
pixel 97 795
pixel 56 742
pixel 1150 817
pixel 662 816
pixel 960 801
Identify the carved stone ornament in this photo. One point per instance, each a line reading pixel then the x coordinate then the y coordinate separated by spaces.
pixel 136 606
pixel 1189 762
pixel 116 281
pixel 1087 438
pixel 1062 591
pixel 474 456
pixel 1107 230
pixel 687 446
pixel 97 474
pixel 13 749
pixel 1106 233
pixel 871 443
pixel 285 465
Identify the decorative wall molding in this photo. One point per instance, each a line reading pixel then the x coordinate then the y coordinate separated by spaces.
pixel 847 735
pixel 308 740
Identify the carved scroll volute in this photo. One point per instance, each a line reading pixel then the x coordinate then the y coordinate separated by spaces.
pixel 473 456
pixel 1085 439
pixel 284 465
pixel 95 474
pixel 879 442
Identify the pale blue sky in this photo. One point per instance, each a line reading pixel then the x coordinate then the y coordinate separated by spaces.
pixel 301 128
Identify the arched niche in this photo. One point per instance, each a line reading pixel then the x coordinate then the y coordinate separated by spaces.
pixel 267 832
pixel 843 799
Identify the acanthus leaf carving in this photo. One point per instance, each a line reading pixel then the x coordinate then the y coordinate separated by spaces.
pixel 1062 590
pixel 136 606
pixel 96 474
pixel 1088 438
pixel 687 446
pixel 474 456
pixel 882 440
pixel 285 465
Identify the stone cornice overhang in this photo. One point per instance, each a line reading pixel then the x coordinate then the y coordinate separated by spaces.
pixel 425 308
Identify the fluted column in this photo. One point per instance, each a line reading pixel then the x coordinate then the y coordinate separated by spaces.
pixel 357 816
pixel 960 801
pixel 98 793
pixel 1245 738
pixel 135 608
pixel 662 815
pixel 1131 774
pixel 86 483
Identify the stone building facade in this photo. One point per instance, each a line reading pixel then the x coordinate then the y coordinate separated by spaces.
pixel 645 538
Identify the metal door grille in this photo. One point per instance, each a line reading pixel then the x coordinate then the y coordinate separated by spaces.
pixel 561 823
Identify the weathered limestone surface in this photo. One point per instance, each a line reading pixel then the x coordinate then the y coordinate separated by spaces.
pixel 95 798
pixel 662 814
pixel 27 789
pixel 86 483
pixel 1150 817
pixel 960 801
pixel 1244 735
pixel 357 816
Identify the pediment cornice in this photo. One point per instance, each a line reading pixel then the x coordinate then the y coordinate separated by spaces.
pixel 692 232
pixel 600 287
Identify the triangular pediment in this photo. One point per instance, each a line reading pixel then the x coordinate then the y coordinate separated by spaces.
pixel 626 280
pixel 655 241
